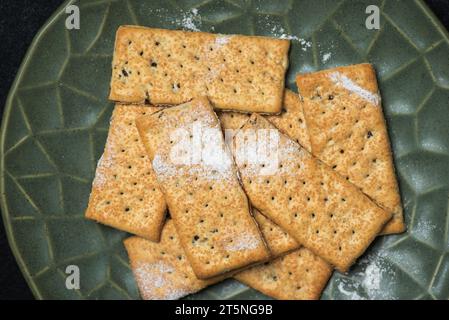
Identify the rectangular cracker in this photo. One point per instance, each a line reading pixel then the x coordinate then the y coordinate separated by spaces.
pixel 170 67
pixel 305 197
pixel 162 271
pixel 198 177
pixel 300 275
pixel 348 132
pixel 125 193
pixel 290 122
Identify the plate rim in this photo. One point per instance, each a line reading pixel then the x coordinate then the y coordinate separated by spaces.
pixel 8 107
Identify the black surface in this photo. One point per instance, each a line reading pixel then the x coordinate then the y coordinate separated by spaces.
pixel 19 22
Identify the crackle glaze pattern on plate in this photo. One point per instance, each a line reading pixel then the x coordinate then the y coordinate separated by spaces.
pixel 57 117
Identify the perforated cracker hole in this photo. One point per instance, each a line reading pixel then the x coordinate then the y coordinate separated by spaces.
pixel 342 151
pixel 156 43
pixel 313 215
pixel 330 97
pixel 153 64
pixel 369 134
pixel 127 209
pixel 272 198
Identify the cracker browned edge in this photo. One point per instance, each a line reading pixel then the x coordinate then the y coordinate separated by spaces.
pixel 89 216
pixel 226 272
pixel 343 269
pixel 281 100
pixel 390 227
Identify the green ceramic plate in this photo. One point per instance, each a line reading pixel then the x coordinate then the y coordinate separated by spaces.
pixel 57 117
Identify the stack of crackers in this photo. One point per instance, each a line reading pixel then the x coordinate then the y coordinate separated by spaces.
pixel 218 171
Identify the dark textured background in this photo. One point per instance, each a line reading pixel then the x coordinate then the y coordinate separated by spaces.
pixel 19 22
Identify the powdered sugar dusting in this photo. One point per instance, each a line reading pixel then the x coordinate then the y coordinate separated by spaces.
pixel 222 40
pixel 190 20
pixel 196 150
pixel 105 162
pixel 349 290
pixel 243 241
pixel 326 57
pixel 369 280
pixel 155 283
pixel 348 84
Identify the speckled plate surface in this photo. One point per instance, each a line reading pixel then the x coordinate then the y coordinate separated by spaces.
pixel 57 117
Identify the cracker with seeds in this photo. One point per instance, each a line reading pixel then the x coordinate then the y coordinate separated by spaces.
pixel 305 197
pixel 198 177
pixel 348 132
pixel 290 122
pixel 125 193
pixel 170 67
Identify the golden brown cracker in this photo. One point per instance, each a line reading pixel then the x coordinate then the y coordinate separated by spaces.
pixel 125 193
pixel 290 122
pixel 198 177
pixel 305 197
pixel 169 67
pixel 348 132
pixel 299 275
pixel 161 269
